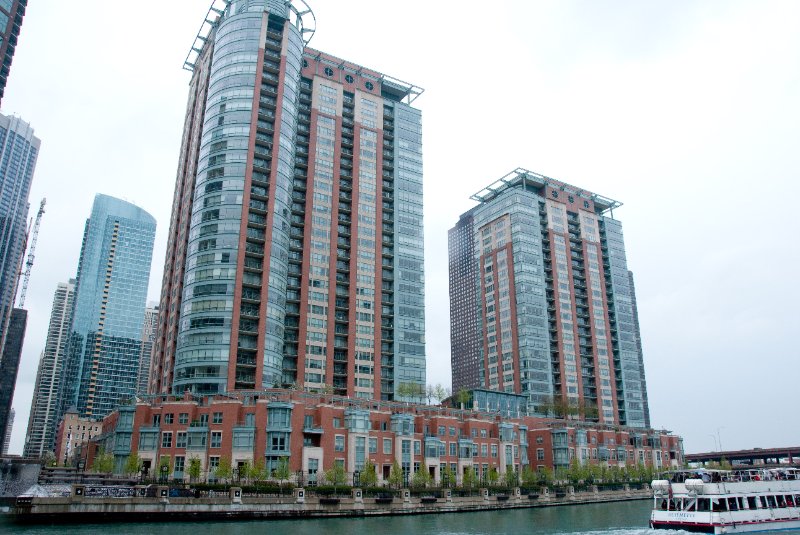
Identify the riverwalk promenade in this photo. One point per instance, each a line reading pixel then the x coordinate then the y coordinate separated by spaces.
pixel 161 504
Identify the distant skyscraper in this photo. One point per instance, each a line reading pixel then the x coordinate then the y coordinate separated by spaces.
pixel 19 149
pixel 11 14
pixel 148 337
pixel 9 429
pixel 541 301
pixel 102 363
pixel 9 365
pixel 295 250
pixel 43 418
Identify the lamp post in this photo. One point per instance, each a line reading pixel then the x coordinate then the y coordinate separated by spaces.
pixel 716 443
pixel 719 440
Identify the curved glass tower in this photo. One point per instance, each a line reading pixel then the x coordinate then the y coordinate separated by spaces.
pixel 108 312
pixel 239 232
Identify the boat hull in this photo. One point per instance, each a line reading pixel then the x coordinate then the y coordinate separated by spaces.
pixel 724 528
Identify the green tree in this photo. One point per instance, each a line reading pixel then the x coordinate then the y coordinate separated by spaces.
pixel 494 476
pixel 194 468
pixel 546 477
pixel 511 477
pixel 223 470
pixel 594 473
pixel 575 472
pixel 103 463
pixel 440 393
pixel 462 397
pixel 470 478
pixel 422 478
pixel 133 464
pixel 257 470
pixel 529 477
pixel 336 476
pixel 282 472
pixel 369 478
pixel 396 476
pixel 448 477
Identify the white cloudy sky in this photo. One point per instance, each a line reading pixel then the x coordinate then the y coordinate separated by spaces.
pixel 685 111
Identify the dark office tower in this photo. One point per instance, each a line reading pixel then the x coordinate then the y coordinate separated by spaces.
pixel 12 351
pixel 9 429
pixel 19 149
pixel 552 298
pixel 43 420
pixel 102 357
pixel 289 261
pixel 11 14
pixel 145 355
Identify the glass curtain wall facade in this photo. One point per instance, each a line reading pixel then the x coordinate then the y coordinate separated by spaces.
pixel 303 243
pixel 102 362
pixel 551 301
pixel 42 421
pixel 11 14
pixel 19 149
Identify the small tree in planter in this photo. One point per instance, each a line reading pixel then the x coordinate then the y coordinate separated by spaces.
pixel 422 478
pixel 336 476
pixel 529 477
pixel 448 477
pixel 223 470
pixel 369 478
pixel 470 479
pixel 282 472
pixel 511 477
pixel 257 470
pixel 194 468
pixel 103 463
pixel 494 476
pixel 396 476
pixel 133 464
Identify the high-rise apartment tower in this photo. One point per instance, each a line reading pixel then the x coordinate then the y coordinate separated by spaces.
pixel 19 149
pixel 541 301
pixel 43 421
pixel 11 14
pixel 295 252
pixel 102 358
pixel 148 338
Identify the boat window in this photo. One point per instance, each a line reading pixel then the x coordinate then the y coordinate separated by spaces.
pixel 703 504
pixel 771 501
pixel 751 502
pixel 781 501
pixel 741 501
pixel 732 504
pixel 762 502
pixel 790 500
pixel 719 504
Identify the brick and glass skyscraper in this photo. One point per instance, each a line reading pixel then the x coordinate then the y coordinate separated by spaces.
pixel 295 253
pixel 11 14
pixel 541 301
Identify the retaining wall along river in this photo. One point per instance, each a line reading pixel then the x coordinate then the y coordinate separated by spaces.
pixel 132 504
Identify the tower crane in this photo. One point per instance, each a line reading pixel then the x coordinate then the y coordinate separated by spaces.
pixel 29 262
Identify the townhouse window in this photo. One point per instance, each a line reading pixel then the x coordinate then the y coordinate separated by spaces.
pixel 217 418
pixel 216 439
pixel 183 418
pixel 339 443
pixel 387 446
pixel 166 439
pixel 540 454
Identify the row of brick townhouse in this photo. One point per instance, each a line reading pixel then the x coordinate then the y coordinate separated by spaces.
pixel 316 431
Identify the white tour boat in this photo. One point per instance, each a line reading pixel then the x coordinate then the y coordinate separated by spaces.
pixel 721 501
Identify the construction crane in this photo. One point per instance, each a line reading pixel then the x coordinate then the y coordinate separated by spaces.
pixel 29 262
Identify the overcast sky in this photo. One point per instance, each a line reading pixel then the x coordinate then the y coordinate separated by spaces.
pixel 688 112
